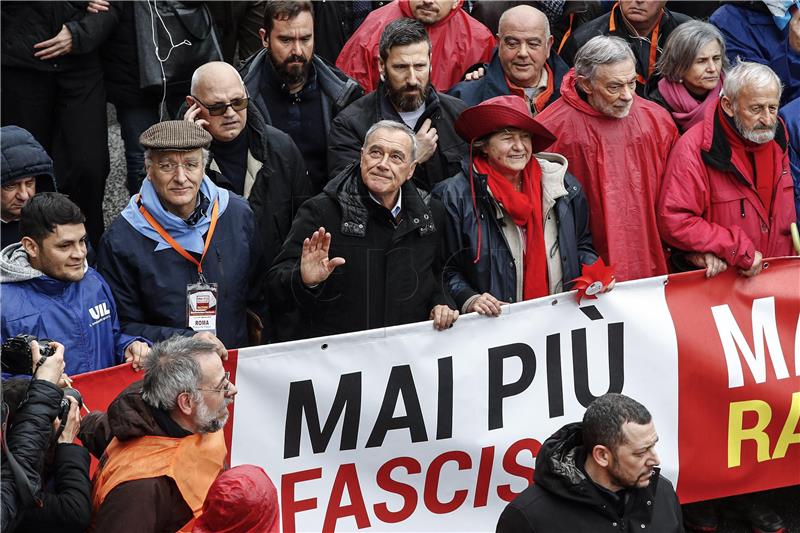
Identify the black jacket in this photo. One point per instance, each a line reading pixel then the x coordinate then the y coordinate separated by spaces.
pixel 23 156
pixel 281 185
pixel 640 46
pixel 391 274
pixel 338 89
pixel 350 127
pixel 495 273
pixel 25 24
pixel 494 82
pixel 67 505
pixel 28 439
pixel 563 498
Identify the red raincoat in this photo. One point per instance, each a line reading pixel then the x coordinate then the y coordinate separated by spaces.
pixel 620 163
pixel 708 202
pixel 241 500
pixel 458 41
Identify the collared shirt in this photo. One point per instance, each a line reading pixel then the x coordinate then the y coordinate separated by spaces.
pixel 395 211
pixel 200 209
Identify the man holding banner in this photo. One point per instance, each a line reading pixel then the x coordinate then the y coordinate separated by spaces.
pixel 599 475
pixel 362 254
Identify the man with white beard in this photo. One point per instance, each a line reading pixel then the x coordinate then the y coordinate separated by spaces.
pixel 726 198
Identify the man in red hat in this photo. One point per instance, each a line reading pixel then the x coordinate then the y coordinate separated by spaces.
pixel 617 145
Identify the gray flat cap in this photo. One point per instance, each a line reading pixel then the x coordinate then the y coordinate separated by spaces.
pixel 175 135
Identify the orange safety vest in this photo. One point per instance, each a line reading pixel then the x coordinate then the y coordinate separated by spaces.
pixel 193 462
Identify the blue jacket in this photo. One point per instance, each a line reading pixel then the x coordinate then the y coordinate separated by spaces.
pixel 494 82
pixel 495 273
pixel 750 33
pixel 80 315
pixel 791 115
pixel 150 286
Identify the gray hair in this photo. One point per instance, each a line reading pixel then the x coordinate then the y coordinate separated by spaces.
pixel 746 73
pixel 149 161
pixel 171 368
pixel 601 50
pixel 683 45
pixel 393 125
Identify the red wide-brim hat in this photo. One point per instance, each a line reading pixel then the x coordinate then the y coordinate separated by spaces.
pixel 501 112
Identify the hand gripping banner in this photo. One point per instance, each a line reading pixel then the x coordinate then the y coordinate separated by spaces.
pixel 409 429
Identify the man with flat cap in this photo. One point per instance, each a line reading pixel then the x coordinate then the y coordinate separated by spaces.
pixel 183 257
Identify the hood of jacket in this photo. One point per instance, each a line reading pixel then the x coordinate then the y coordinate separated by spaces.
pixel 569 92
pixel 22 156
pixel 347 189
pixel 406 9
pixel 15 266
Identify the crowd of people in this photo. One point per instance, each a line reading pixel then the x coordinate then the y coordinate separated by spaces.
pixel 315 168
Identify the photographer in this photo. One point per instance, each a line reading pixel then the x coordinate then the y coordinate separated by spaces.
pixel 27 435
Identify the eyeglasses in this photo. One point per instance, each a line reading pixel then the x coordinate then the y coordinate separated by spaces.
pixel 216 110
pixel 225 387
pixel 169 166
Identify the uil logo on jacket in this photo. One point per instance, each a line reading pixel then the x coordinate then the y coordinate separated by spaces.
pixel 99 313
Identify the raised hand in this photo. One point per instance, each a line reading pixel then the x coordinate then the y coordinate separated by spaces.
pixel 315 266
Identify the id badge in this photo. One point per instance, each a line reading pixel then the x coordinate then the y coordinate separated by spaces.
pixel 201 307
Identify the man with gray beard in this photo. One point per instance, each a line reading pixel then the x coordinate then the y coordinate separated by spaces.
pixel 404 95
pixel 161 444
pixel 726 199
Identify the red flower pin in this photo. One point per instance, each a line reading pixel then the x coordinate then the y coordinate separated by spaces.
pixel 593 280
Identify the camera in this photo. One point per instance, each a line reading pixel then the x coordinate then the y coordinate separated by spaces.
pixel 63 411
pixel 17 357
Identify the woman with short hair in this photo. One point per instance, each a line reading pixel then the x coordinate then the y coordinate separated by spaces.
pixel 689 72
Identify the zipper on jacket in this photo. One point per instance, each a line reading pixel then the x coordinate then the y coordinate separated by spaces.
pixel 741 207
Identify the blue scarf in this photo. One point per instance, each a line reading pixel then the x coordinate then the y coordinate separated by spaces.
pixel 190 237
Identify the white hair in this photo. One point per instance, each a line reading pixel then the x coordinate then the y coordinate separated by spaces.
pixel 601 50
pixel 749 74
pixel 393 125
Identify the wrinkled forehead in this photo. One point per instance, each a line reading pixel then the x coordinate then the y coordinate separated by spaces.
pixel 759 94
pixel 174 155
pixel 639 435
pixel 390 138
pixel 621 71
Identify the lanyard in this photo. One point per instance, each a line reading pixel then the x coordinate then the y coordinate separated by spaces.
pixel 172 242
pixel 651 65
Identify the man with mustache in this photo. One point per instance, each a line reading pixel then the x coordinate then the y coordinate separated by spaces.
pixel 405 95
pixel 598 475
pixel 617 145
pixel 295 90
pixel 727 199
pixel 524 64
pixel 160 442
pixel 458 41
pixel 644 24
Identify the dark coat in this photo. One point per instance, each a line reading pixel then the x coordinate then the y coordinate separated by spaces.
pixel 281 185
pixel 27 438
pixel 67 508
pixel 159 507
pixel 25 24
pixel 391 274
pixel 494 82
pixel 23 156
pixel 641 48
pixel 791 115
pixel 563 498
pixel 150 287
pixel 338 90
pixel 751 34
pixel 495 272
pixel 350 128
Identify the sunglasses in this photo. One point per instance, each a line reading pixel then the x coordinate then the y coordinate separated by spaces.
pixel 216 110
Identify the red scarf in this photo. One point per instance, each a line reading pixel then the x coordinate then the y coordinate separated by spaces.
pixel 764 166
pixel 525 208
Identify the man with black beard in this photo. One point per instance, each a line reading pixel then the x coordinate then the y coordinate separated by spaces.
pixel 296 91
pixel 404 95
